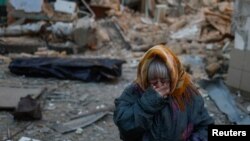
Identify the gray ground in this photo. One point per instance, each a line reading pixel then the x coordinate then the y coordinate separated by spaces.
pixel 75 103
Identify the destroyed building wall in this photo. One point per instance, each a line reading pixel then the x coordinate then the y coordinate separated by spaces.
pixel 239 67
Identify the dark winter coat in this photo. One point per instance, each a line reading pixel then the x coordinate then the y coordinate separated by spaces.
pixel 146 116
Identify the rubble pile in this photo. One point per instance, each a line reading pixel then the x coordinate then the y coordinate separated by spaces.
pixel 200 32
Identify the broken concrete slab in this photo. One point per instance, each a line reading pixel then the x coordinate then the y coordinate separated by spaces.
pixel 27 5
pixel 65 6
pixel 10 96
pixel 222 97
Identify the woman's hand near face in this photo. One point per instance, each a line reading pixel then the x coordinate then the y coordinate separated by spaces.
pixel 162 88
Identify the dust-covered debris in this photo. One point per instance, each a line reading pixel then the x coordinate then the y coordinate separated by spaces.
pixel 123 33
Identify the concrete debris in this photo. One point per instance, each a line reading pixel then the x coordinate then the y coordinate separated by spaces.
pixel 212 69
pixel 27 6
pixel 4 59
pixel 14 94
pixel 27 139
pixel 79 131
pixel 82 31
pixel 208 36
pixel 61 29
pixel 65 6
pixel 188 33
pixel 18 30
pixel 248 108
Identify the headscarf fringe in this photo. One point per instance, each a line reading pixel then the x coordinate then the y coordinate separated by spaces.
pixel 181 86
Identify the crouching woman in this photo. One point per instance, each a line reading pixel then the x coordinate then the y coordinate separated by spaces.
pixel 162 104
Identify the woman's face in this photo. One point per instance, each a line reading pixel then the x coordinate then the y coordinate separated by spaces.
pixel 162 86
pixel 159 82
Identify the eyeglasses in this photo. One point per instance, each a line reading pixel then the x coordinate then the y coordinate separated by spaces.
pixel 161 80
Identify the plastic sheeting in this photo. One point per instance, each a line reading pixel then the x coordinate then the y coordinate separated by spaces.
pixel 88 70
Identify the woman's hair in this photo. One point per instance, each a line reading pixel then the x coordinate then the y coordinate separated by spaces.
pixel 157 69
pixel 181 85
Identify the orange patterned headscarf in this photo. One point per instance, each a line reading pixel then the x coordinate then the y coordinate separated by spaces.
pixel 179 79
